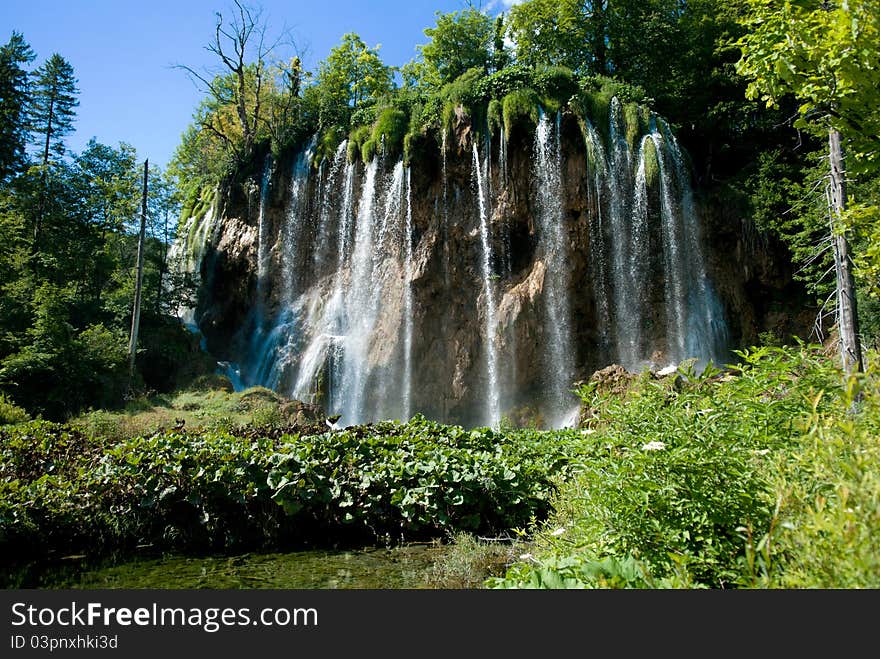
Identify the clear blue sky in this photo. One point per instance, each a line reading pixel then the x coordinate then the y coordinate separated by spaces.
pixel 123 52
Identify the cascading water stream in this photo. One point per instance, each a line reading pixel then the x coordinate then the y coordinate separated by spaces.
pixel 598 262
pixel 324 239
pixel 675 267
pixel 627 306
pixel 493 402
pixel 707 334
pixel 408 301
pixel 357 323
pixel 553 246
pixel 262 229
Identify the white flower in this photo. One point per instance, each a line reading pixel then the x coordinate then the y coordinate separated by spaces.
pixel 587 431
pixel 763 451
pixel 654 446
pixel 558 532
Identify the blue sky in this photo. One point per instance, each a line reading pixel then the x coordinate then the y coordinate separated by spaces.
pixel 123 52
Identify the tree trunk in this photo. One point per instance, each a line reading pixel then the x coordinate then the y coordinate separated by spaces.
pixel 44 185
pixel 136 313
pixel 847 318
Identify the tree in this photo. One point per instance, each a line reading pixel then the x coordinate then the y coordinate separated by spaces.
pixel 52 111
pixel 53 103
pixel 554 33
pixel 353 75
pixel 235 110
pixel 460 41
pixel 825 55
pixel 13 104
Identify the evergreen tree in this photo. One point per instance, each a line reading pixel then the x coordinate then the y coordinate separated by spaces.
pixel 51 118
pixel 53 104
pixel 13 103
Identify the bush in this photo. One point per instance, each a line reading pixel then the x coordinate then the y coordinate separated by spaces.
pixel 244 487
pixel 694 476
pixel 10 412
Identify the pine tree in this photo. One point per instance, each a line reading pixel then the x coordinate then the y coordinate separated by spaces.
pixel 13 103
pixel 53 100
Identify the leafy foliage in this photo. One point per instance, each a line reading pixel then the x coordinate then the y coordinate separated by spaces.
pixel 686 474
pixel 240 488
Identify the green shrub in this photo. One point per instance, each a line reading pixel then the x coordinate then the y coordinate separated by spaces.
pixel 652 164
pixel 683 474
pixel 556 83
pixel 10 412
pixel 242 487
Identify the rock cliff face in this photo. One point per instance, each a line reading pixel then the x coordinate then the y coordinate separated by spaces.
pixel 484 280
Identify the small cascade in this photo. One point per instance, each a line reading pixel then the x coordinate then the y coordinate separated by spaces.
pixel 274 342
pixel 188 251
pixel 357 316
pixel 553 248
pixel 493 401
pixel 705 330
pixel 325 350
pixel 598 262
pixel 262 229
pixel 408 301
pixel 627 306
pixel 675 268
pixel 294 230
pixel 323 251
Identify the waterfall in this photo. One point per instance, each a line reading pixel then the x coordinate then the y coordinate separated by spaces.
pixel 325 349
pixel 323 237
pixel 408 301
pixel 262 229
pixel 553 248
pixel 493 402
pixel 274 342
pixel 627 306
pixel 357 318
pixel 706 335
pixel 187 252
pixel 598 263
pixel 332 316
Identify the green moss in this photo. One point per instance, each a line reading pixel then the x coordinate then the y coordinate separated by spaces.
pixel 652 164
pixel 522 105
pixel 368 151
pixel 556 83
pixel 466 89
pixel 632 124
pixel 390 128
pixel 328 142
pixel 356 139
pixel 596 106
pixel 495 116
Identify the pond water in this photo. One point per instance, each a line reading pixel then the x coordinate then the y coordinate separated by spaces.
pixel 404 567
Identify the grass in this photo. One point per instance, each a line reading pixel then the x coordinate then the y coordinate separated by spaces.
pixel 201 407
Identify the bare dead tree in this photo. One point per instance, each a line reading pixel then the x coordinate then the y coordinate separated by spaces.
pixel 243 50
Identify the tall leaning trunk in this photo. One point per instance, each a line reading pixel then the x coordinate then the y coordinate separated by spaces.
pixel 847 318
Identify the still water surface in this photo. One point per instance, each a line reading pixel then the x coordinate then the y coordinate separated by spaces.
pixel 407 566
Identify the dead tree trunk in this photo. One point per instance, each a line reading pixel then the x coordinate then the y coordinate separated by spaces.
pixel 847 318
pixel 136 312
